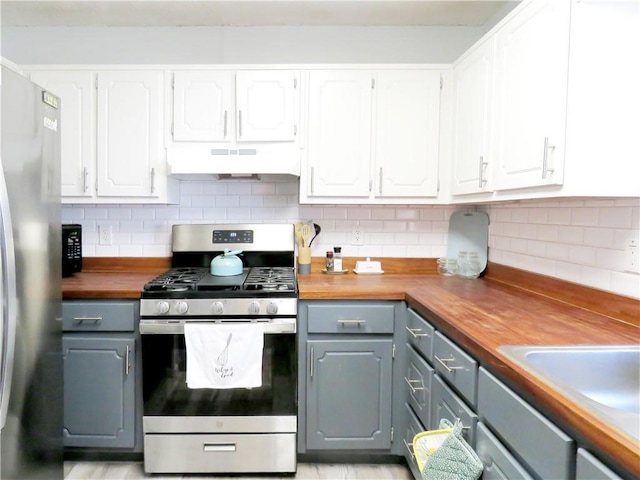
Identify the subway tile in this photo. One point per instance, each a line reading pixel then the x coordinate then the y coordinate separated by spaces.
pixel 142 213
pixel 582 255
pixel 620 217
pixel 626 283
pixel 559 216
pixel 259 188
pixel 169 213
pixel 587 217
pixel 380 213
pixel 406 239
pixel 189 213
pixel 599 237
pixel 241 188
pixel 595 277
pixel 571 235
pixel 407 214
pixel 130 251
pixel 359 213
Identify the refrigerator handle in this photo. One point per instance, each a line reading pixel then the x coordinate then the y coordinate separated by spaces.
pixel 8 317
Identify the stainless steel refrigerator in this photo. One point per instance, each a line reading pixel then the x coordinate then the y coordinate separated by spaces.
pixel 30 271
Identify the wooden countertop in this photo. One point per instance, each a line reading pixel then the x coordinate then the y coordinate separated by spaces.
pixel 506 307
pixel 483 315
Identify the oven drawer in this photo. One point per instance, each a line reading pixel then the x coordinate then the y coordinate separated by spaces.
pixel 350 318
pixel 220 453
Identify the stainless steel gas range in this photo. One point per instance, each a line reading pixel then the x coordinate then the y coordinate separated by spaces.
pixel 219 430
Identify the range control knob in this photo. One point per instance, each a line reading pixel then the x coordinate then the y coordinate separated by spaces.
pixel 254 308
pixel 163 307
pixel 272 308
pixel 217 308
pixel 182 307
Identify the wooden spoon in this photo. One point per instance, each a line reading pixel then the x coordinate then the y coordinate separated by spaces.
pixel 306 234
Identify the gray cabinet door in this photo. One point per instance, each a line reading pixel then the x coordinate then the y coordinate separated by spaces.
pixel 99 390
pixel 349 394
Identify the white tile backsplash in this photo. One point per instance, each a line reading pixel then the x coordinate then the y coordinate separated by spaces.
pixel 578 240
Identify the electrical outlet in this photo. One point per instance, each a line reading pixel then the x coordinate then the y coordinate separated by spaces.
pixel 632 260
pixel 105 234
pixel 356 235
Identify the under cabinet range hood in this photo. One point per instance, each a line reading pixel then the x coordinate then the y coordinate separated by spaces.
pixel 261 160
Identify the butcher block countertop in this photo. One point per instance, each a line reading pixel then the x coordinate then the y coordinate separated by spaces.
pixel 505 307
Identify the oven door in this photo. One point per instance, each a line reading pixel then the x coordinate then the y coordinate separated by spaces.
pixel 172 407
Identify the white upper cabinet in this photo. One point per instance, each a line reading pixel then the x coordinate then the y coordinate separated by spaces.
pixel 407 129
pixel 532 63
pixel 235 106
pixel 77 92
pixel 550 124
pixel 130 154
pixel 203 106
pixel 111 140
pixel 266 105
pixel 339 139
pixel 472 163
pixel 373 136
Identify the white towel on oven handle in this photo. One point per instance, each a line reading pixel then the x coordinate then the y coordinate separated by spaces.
pixel 224 355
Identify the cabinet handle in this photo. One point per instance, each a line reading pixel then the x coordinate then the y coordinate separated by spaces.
pixel 218 447
pixel 444 364
pixel 411 382
pixel 239 123
pixel 126 361
pixel 380 181
pixel 413 331
pixel 545 158
pixel 357 323
pixel 153 180
pixel 85 178
pixel 482 165
pixel 87 319
pixel 409 447
pixel 311 363
pixel 312 173
pixel 226 114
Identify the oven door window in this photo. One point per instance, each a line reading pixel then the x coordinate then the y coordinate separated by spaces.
pixel 166 393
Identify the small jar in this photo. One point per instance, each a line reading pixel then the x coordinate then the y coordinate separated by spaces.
pixel 447 266
pixel 337 259
pixel 468 264
pixel 329 262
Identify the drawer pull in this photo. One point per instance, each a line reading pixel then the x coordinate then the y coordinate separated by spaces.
pixel 357 323
pixel 219 447
pixel 87 319
pixel 443 362
pixel 409 447
pixel 411 382
pixel 413 331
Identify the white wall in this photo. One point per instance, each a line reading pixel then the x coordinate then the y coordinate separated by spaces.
pixel 237 45
pixel 579 240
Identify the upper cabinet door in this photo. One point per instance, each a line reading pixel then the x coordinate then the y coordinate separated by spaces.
pixel 266 102
pixel 531 91
pixel 473 76
pixel 130 109
pixel 203 106
pixel 76 90
pixel 339 133
pixel 407 133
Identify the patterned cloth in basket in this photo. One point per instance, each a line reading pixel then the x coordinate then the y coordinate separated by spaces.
pixel 445 455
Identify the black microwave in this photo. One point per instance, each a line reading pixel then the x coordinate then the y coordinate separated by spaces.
pixel 71 249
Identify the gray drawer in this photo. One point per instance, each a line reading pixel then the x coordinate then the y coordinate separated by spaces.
pixel 499 464
pixel 100 316
pixel 418 383
pixel 589 467
pixel 456 367
pixel 350 318
pixel 546 449
pixel 420 334
pixel 413 428
pixel 446 404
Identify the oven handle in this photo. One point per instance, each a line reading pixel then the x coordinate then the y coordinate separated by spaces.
pixel 173 327
pixel 219 447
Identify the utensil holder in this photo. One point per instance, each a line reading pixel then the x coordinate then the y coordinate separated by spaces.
pixel 304 260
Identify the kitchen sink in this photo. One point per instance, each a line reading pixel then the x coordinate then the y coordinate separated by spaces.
pixel 602 379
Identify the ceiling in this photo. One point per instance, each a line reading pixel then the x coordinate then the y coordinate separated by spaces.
pixel 137 13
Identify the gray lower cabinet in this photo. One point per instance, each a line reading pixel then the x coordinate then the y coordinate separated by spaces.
pixel 446 404
pixel 589 467
pixel 101 362
pixel 542 446
pixel 498 462
pixel 99 391
pixel 349 394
